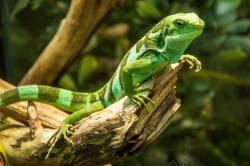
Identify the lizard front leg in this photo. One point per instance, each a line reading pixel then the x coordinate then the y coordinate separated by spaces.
pixel 190 59
pixel 67 123
pixel 146 65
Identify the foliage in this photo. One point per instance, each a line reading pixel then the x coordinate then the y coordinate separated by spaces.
pixel 212 126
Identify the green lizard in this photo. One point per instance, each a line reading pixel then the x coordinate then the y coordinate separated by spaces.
pixel 164 43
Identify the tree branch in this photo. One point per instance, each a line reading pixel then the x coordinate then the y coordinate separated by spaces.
pixel 73 33
pixel 114 134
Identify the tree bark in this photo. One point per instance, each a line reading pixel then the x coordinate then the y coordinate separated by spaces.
pixel 114 134
pixel 73 33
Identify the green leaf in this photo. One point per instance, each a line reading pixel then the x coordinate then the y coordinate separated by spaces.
pixel 87 66
pixel 230 57
pixel 224 6
pixel 213 42
pixel 200 84
pixel 238 42
pixel 36 4
pixel 226 18
pixel 147 11
pixel 240 26
pixel 21 4
pixel 244 153
pixel 67 82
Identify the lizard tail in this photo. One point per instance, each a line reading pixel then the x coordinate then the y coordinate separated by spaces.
pixel 63 99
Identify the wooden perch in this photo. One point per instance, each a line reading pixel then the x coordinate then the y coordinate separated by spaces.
pixel 114 134
pixel 75 30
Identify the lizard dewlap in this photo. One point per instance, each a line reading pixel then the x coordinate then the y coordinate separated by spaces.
pixel 164 43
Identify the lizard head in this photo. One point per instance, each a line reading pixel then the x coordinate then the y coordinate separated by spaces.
pixel 179 31
pixel 185 25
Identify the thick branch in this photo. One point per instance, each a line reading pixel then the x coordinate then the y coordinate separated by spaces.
pixel 111 135
pixel 73 33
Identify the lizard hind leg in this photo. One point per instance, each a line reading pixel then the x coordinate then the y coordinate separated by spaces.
pixel 63 130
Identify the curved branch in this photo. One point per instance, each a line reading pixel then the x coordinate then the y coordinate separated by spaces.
pixel 111 135
pixel 73 33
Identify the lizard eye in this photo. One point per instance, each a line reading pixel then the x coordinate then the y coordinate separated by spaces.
pixel 179 24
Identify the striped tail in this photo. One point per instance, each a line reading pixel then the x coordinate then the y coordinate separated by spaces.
pixel 63 99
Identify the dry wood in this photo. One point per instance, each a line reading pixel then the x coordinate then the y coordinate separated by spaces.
pixel 114 134
pixel 73 33
pixel 34 123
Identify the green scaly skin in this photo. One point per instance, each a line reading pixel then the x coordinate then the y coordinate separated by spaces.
pixel 164 43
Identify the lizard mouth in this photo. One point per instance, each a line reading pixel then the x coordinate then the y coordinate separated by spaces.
pixel 190 32
pixel 187 35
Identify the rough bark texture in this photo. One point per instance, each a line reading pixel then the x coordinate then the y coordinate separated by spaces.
pixel 114 134
pixel 73 33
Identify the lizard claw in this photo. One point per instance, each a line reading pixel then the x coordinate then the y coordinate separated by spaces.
pixel 191 60
pixel 62 130
pixel 190 63
pixel 136 102
pixel 137 98
pixel 72 128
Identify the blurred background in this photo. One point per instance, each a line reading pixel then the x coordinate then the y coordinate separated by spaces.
pixel 212 127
